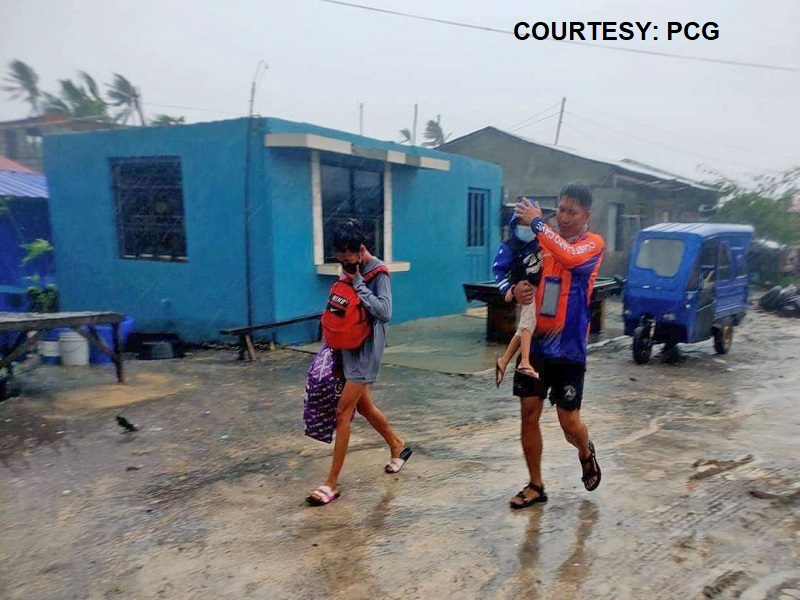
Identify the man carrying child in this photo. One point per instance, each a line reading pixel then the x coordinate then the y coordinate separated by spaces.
pixel 570 262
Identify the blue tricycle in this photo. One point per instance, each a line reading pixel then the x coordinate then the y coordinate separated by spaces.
pixel 687 282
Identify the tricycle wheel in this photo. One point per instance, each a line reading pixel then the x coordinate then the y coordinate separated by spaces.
pixel 642 345
pixel 723 338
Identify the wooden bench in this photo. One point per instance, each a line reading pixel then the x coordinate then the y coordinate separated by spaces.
pixel 245 337
pixel 24 323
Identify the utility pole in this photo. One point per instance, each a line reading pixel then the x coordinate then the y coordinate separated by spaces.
pixel 361 119
pixel 560 118
pixel 414 130
pixel 253 85
pixel 248 135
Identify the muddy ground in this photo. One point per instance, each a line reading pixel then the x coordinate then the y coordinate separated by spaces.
pixel 700 495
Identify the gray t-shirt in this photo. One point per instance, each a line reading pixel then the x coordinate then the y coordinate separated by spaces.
pixel 362 365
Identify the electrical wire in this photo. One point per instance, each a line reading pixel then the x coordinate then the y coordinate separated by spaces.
pixel 533 123
pixel 536 115
pixel 736 63
pixel 675 133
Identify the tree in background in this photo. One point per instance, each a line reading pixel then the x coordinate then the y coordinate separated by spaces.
pixel 23 83
pixel 405 134
pixel 42 298
pixel 81 98
pixel 124 95
pixel 78 100
pixel 766 204
pixel 167 120
pixel 434 133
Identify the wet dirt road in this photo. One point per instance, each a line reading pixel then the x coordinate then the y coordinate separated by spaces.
pixel 700 495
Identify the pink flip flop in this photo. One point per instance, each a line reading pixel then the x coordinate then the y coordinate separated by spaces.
pixel 395 464
pixel 322 495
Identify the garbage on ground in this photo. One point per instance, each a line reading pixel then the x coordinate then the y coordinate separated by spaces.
pixel 784 301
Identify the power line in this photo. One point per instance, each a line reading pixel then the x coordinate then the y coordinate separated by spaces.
pixel 539 134
pixel 534 122
pixel 645 140
pixel 208 110
pixel 722 61
pixel 582 133
pixel 419 17
pixel 683 135
pixel 648 141
pixel 534 116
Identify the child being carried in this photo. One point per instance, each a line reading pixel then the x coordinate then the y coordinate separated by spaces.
pixel 518 259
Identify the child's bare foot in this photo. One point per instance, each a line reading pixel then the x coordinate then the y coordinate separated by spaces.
pixel 527 369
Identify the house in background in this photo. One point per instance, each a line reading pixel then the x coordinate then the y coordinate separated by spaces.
pixel 628 195
pixel 24 217
pixel 203 227
pixel 21 140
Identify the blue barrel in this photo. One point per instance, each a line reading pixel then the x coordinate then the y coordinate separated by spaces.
pixel 97 356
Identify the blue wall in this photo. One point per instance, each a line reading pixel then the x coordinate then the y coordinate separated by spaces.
pixel 429 230
pixel 200 295
pixel 25 220
pixel 208 292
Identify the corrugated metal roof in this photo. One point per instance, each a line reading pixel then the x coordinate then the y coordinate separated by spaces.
pixel 625 164
pixel 23 185
pixel 6 164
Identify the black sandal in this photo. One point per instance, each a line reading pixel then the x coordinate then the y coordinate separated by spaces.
pixel 593 472
pixel 526 502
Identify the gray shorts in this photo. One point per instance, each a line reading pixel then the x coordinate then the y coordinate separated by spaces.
pixel 362 365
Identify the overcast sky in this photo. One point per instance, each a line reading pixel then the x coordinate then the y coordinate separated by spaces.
pixel 325 59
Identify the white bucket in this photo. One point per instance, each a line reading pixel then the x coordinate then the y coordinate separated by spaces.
pixel 50 352
pixel 74 349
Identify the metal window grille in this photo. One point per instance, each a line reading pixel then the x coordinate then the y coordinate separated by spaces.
pixel 476 218
pixel 148 194
pixel 352 193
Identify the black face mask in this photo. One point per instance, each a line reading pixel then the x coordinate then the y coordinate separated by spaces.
pixel 350 267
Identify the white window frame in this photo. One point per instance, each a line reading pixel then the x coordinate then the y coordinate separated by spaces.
pixel 321 266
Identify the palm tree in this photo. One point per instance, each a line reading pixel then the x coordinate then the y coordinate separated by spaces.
pixel 77 101
pixel 434 133
pixel 24 83
pixel 167 120
pixel 406 135
pixel 124 94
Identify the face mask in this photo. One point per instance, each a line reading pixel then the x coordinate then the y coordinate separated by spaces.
pixel 350 267
pixel 524 234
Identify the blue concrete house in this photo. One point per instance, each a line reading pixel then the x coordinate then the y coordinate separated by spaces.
pixel 196 228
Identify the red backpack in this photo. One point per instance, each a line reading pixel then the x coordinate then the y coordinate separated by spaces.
pixel 346 324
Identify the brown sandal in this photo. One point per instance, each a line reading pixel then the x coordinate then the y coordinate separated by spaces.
pixel 593 472
pixel 526 502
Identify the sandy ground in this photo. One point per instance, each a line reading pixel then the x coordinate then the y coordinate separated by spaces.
pixel 700 495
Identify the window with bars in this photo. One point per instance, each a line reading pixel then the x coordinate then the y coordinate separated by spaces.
pixel 148 193
pixel 476 218
pixel 352 193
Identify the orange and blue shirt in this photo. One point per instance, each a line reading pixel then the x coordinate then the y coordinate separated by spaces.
pixel 569 270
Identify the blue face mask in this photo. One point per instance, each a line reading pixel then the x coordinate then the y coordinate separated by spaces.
pixel 524 233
